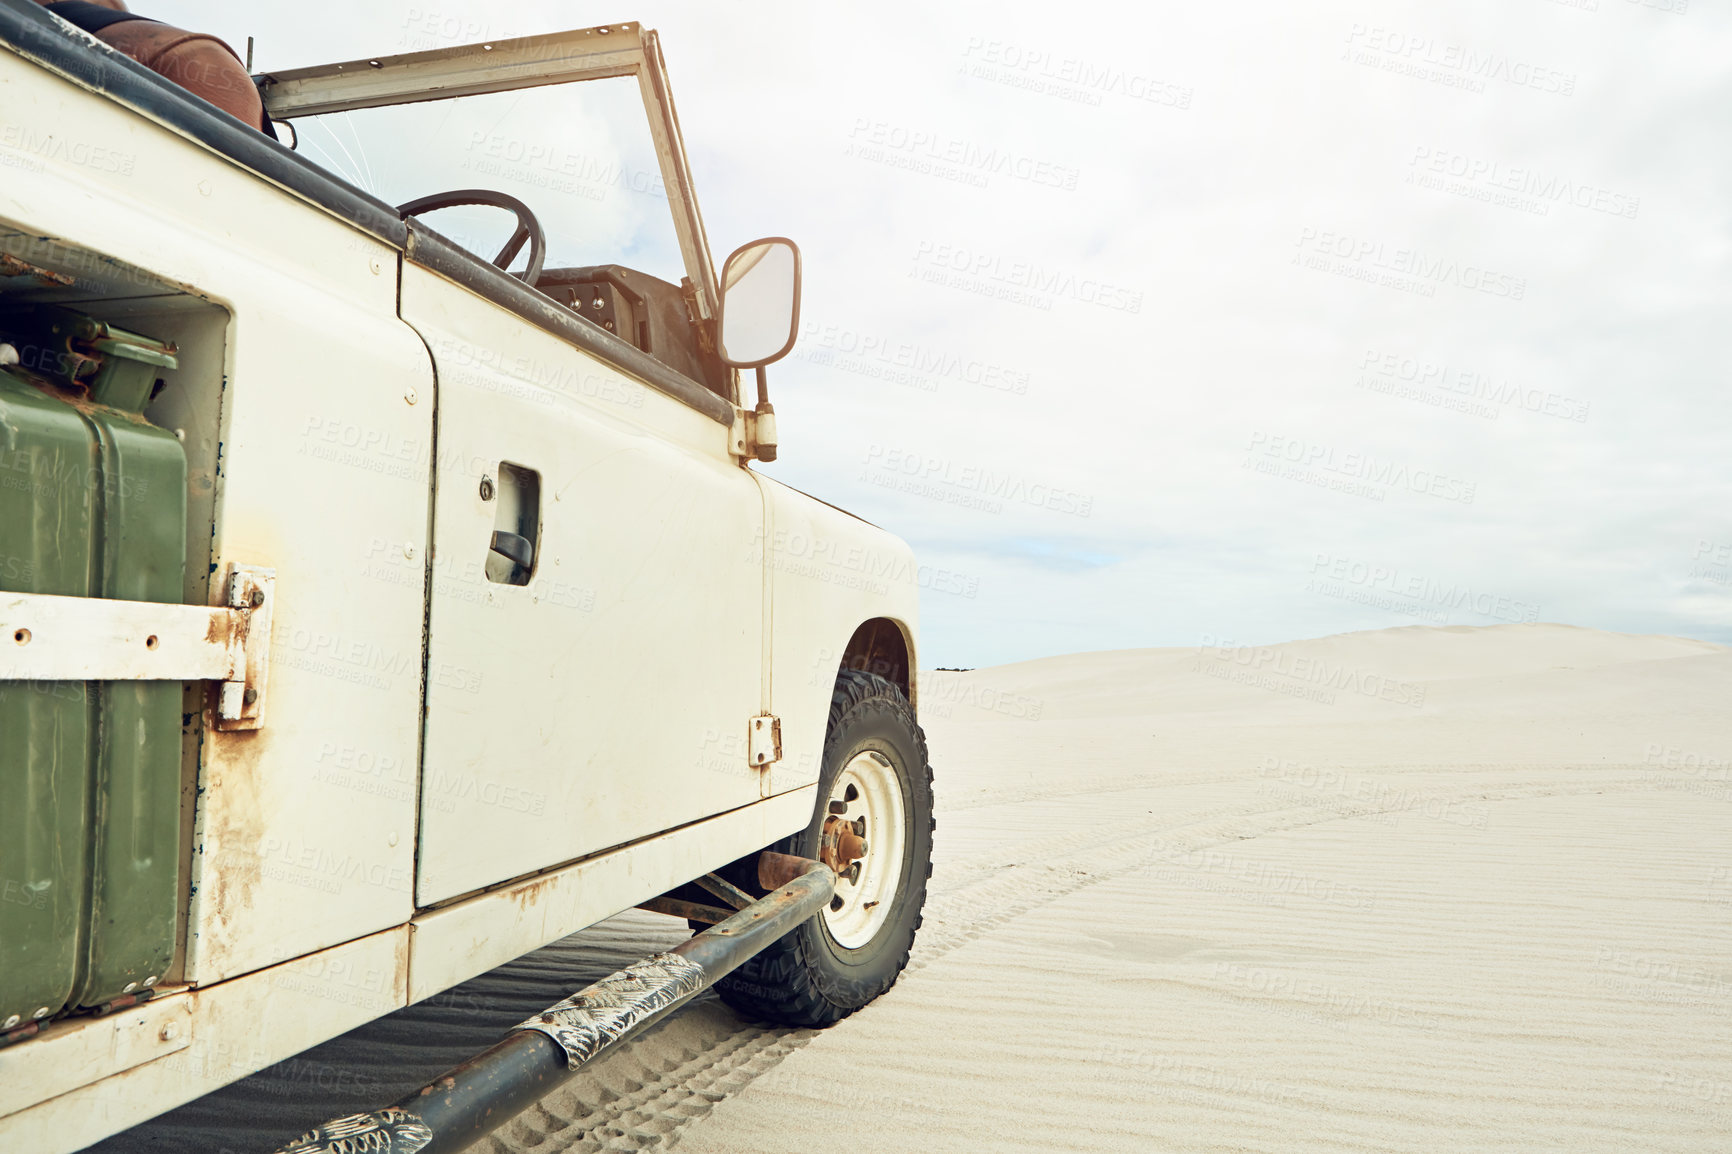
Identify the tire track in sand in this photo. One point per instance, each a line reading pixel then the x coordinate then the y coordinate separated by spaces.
pixel 643 1096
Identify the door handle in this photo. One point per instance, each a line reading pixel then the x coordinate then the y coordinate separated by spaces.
pixel 514 547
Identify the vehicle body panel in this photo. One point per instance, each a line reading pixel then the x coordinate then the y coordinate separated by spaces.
pixel 829 572
pixel 620 682
pixel 549 729
pixel 313 410
pixel 457 942
pixel 236 1027
pixel 106 1074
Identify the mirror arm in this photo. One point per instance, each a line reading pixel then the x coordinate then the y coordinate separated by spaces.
pixel 764 421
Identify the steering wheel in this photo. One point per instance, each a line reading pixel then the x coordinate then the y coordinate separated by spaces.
pixel 528 228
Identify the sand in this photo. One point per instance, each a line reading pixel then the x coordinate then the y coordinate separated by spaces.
pixel 1412 889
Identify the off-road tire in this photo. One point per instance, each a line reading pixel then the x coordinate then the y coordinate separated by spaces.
pixel 807 978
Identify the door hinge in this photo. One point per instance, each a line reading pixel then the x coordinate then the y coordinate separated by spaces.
pixel 765 745
pixel 52 638
pixel 740 434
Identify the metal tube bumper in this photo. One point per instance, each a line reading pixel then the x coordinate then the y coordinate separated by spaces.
pixel 468 1102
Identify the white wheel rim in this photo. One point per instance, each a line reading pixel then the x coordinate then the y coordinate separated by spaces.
pixel 876 796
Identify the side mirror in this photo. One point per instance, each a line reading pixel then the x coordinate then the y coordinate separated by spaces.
pixel 760 313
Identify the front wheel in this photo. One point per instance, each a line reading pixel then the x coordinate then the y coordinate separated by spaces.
pixel 874 820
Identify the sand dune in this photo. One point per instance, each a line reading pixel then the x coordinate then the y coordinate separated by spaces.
pixel 1412 889
pixel 1192 907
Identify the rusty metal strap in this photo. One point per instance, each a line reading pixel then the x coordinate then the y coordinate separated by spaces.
pixel 92 639
pixel 726 890
pixel 588 1021
pixel 388 1131
pixel 691 911
pixel 52 638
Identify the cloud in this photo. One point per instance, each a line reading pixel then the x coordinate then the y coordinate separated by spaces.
pixel 1469 249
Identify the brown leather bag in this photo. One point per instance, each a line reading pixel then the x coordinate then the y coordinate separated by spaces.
pixel 199 63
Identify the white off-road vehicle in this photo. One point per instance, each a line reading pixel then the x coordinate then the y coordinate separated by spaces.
pixel 371 615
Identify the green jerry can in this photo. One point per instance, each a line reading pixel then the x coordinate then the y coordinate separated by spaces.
pixel 92 504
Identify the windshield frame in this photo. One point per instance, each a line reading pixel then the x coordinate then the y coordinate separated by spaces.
pixel 602 52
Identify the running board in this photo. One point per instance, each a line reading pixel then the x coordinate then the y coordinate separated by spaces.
pixel 465 1104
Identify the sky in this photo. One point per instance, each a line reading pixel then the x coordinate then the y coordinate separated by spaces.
pixel 1168 324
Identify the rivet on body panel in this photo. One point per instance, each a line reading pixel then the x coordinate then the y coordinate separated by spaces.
pixel 411 395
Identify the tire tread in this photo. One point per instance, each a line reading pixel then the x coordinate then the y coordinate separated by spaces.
pixel 778 984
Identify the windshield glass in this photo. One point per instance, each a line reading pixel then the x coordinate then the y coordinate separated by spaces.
pixel 580 155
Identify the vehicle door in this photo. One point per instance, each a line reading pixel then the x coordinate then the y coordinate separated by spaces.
pixel 596 591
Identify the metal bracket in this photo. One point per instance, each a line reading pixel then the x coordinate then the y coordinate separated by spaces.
pixel 765 744
pixel 738 435
pixel 252 595
pixel 725 889
pixel 50 638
